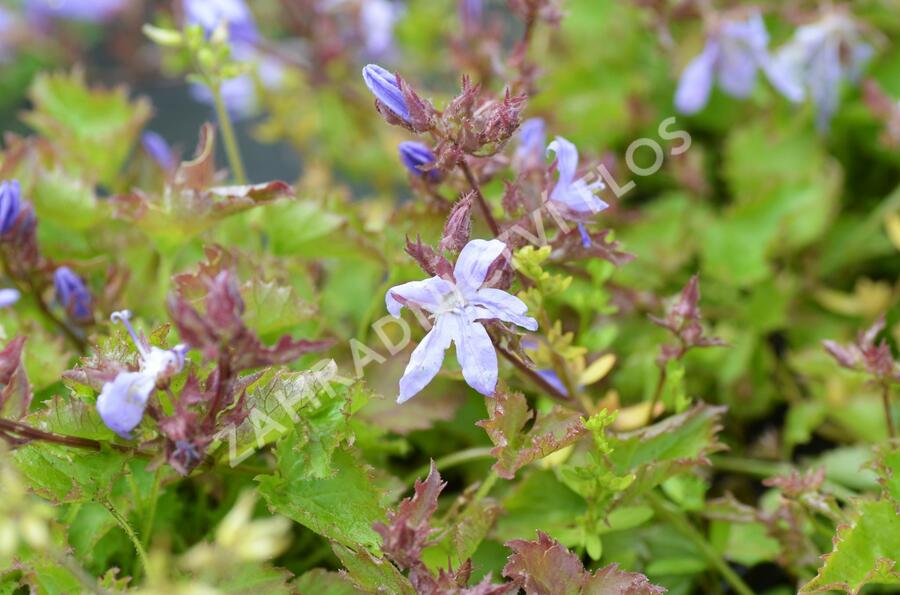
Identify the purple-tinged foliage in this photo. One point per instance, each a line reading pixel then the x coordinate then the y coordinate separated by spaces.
pixel 821 57
pixel 219 332
pixel 867 354
pixel 514 447
pixel 408 529
pixel 419 160
pixel 458 306
pixel 16 394
pixel 73 295
pixel 458 227
pixel 684 320
pixel 545 566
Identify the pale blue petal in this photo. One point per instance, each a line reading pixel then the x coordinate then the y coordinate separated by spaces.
pixel 697 80
pixel 122 402
pixel 476 356
pixel 503 306
pixel 427 294
pixel 9 296
pixel 473 263
pixel 566 163
pixel 427 357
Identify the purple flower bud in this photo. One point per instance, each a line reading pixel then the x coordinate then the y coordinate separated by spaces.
pixel 122 402
pixel 384 86
pixel 72 294
pixel 10 204
pixel 158 150
pixel 209 14
pixel 414 156
pixel 9 296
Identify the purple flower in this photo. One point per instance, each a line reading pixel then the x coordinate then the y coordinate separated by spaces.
pixel 576 195
pixel 532 139
pixel 819 59
pixel 91 11
pixel 457 308
pixel 471 13
pixel 122 402
pixel 384 86
pixel 10 204
pixel 731 57
pixel 160 364
pixel 9 296
pixel 414 155
pixel 9 25
pixel 72 294
pixel 235 14
pixel 377 19
pixel 158 150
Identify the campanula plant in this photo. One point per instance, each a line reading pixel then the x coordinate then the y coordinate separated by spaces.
pixel 464 297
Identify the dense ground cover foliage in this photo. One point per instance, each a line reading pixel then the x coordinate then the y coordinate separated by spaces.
pixel 568 297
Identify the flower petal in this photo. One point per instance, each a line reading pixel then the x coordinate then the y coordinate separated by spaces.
pixel 473 263
pixel 696 81
pixel 122 402
pixel 566 162
pixel 427 357
pixel 476 356
pixel 503 306
pixel 427 294
pixel 383 85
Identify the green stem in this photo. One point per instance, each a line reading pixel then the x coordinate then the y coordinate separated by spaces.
pixel 123 524
pixel 452 460
pixel 232 149
pixel 888 416
pixel 485 487
pixel 684 526
pixel 151 508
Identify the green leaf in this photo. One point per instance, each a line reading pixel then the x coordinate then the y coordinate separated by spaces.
pixel 464 533
pixel 64 474
pixel 342 507
pixel 371 574
pixel 298 227
pixel 280 402
pixel 94 128
pixel 865 551
pixel 324 582
pixel 660 451
pixel 66 200
pixel 514 448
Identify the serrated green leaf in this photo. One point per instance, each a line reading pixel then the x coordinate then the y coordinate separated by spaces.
pixel 342 506
pixel 372 574
pixel 94 128
pixel 865 551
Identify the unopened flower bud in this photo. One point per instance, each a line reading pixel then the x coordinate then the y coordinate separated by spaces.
pixel 384 86
pixel 10 204
pixel 72 294
pixel 416 156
